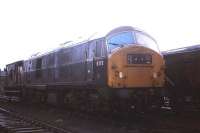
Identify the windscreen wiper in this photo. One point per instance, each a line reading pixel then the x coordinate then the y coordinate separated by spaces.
pixel 121 45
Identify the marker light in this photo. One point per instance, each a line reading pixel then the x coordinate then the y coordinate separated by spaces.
pixel 120 75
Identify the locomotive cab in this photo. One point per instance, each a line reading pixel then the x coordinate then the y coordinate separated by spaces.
pixel 134 61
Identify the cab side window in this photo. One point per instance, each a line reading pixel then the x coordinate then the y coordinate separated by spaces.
pixel 97 48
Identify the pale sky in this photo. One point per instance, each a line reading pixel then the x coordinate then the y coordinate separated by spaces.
pixel 31 26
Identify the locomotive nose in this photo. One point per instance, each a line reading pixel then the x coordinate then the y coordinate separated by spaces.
pixel 135 67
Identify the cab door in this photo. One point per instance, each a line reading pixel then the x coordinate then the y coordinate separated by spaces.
pixel 100 63
pixel 90 54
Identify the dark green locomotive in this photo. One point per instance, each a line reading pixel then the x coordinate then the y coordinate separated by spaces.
pixel 124 64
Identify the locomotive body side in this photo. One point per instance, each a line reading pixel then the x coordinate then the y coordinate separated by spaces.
pixel 79 66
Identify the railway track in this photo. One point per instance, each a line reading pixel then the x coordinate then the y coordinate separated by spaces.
pixel 11 122
pixel 150 122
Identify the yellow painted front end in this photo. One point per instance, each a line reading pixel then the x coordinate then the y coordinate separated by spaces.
pixel 122 74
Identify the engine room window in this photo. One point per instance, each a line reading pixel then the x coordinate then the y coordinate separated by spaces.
pixel 39 63
pixel 64 56
pixel 50 60
pixel 92 49
pixel 121 39
pixel 38 67
pixel 98 48
pixel 77 54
